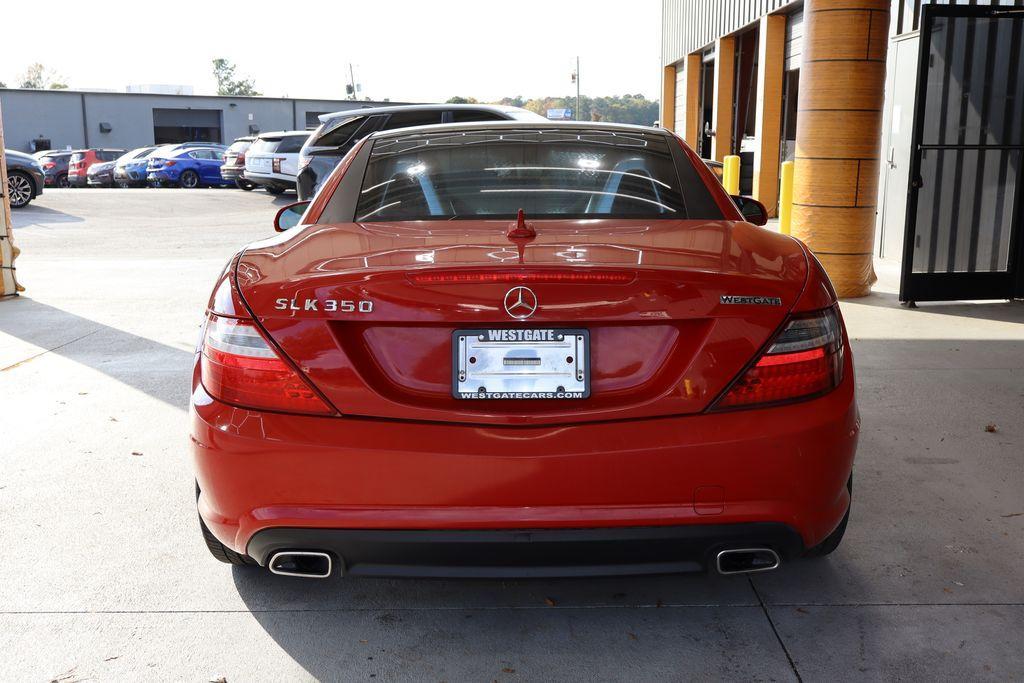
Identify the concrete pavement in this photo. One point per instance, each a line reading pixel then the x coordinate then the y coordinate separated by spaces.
pixel 104 575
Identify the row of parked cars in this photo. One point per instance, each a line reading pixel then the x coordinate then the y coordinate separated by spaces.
pixel 273 158
pixel 276 162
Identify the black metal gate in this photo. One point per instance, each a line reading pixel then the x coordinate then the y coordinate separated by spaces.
pixel 964 212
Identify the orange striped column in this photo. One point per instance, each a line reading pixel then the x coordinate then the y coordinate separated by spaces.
pixel 842 84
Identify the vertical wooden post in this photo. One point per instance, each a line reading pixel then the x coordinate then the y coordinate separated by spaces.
pixel 771 56
pixel 725 81
pixel 691 126
pixel 668 98
pixel 842 80
pixel 8 282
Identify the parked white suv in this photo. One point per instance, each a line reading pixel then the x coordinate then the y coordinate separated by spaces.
pixel 272 162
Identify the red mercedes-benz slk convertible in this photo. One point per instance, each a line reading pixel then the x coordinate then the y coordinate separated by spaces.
pixel 518 349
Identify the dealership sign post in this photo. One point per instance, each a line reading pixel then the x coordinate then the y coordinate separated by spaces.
pixel 8 284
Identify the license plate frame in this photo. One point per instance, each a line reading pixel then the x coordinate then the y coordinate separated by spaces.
pixel 515 381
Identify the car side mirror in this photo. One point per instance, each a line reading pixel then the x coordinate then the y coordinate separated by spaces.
pixel 289 216
pixel 753 211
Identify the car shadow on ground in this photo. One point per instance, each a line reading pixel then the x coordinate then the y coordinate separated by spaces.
pixel 35 215
pixel 655 626
pixel 156 369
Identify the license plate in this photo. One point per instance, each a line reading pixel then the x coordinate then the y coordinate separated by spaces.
pixel 521 364
pixel 261 164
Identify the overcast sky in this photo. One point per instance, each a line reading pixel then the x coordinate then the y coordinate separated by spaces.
pixel 413 51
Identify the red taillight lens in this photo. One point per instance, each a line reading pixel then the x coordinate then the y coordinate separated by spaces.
pixel 520 276
pixel 48 165
pixel 241 368
pixel 277 164
pixel 241 158
pixel 806 359
pixel 170 162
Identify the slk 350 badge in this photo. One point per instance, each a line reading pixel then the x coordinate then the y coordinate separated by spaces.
pixel 327 305
pixel 750 300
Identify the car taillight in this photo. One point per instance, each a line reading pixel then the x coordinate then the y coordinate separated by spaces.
pixel 239 367
pixel 804 360
pixel 170 162
pixel 240 159
pixel 48 165
pixel 277 164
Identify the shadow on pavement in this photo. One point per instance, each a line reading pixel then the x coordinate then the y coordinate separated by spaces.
pixel 341 628
pixel 1004 311
pixel 36 215
pixel 159 370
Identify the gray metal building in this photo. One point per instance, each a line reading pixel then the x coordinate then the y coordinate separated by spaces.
pixel 58 119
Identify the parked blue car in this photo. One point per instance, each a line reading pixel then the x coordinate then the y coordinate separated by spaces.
pixel 186 166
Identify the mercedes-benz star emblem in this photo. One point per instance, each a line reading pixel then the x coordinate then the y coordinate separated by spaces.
pixel 520 302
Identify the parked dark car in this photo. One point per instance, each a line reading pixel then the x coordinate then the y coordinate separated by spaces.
pixel 83 159
pixel 55 167
pixel 340 131
pixel 130 167
pixel 234 162
pixel 101 175
pixel 24 178
pixel 187 167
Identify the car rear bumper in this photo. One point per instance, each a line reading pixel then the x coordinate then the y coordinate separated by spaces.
pixel 231 172
pixel 786 465
pixel 503 553
pixel 274 180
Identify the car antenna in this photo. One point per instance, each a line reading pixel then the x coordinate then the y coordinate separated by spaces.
pixel 521 229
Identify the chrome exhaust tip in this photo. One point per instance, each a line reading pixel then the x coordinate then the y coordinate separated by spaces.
pixel 747 560
pixel 306 564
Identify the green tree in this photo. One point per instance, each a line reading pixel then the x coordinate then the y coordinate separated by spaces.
pixel 227 84
pixel 2 84
pixel 461 100
pixel 38 76
pixel 635 109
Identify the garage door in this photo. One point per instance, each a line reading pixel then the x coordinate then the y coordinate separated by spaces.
pixel 186 125
pixel 794 40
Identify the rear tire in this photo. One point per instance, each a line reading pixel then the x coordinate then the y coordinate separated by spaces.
pixel 62 180
pixel 218 549
pixel 832 541
pixel 188 180
pixel 274 190
pixel 244 185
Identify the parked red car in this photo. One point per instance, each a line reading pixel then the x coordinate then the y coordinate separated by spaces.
pixel 523 349
pixel 82 159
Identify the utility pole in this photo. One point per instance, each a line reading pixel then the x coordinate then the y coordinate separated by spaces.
pixel 576 80
pixel 352 81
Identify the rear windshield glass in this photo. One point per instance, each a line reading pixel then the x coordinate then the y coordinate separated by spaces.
pixel 338 134
pixel 547 173
pixel 284 145
pixel 240 145
pixel 77 156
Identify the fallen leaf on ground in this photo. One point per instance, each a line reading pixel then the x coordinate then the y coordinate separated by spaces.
pixel 550 602
pixel 136 453
pixel 632 636
pixel 508 670
pixel 991 428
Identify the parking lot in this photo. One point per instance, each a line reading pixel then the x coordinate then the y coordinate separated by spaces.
pixel 105 577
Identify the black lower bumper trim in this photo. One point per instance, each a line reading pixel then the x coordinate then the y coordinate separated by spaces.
pixel 528 552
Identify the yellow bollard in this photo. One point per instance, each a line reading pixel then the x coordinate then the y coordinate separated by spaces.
pixel 785 197
pixel 731 174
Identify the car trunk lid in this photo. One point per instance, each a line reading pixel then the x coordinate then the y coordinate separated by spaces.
pixel 674 309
